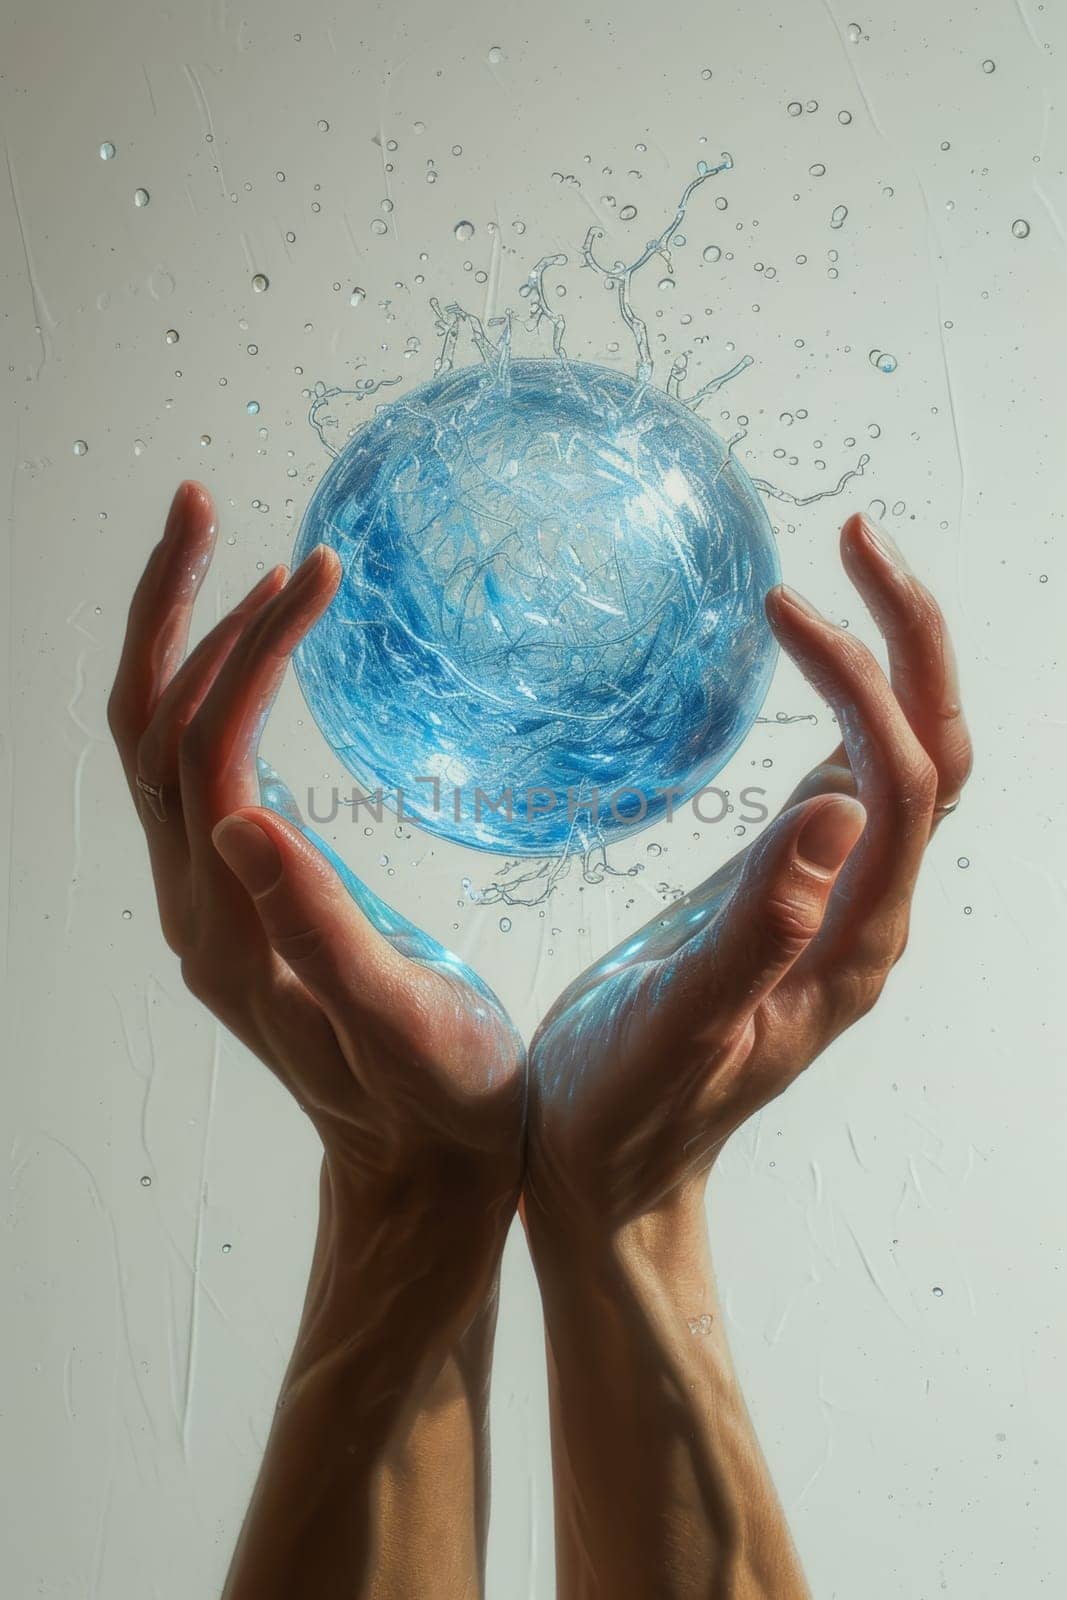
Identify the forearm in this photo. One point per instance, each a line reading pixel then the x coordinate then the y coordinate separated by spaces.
pixel 661 1489
pixel 374 1481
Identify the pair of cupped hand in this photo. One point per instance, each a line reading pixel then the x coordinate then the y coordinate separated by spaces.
pixel 403 1059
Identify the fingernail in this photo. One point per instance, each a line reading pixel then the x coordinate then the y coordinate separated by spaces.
pixel 827 837
pixel 249 853
pixel 177 507
pixel 256 593
pixel 884 543
pixel 310 568
pixel 798 602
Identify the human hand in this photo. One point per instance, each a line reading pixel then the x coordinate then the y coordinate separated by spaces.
pixel 654 1056
pixel 405 1062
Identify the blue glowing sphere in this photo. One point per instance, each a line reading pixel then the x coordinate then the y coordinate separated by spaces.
pixel 550 630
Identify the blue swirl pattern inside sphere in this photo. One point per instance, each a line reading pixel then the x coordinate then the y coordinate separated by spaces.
pixel 553 584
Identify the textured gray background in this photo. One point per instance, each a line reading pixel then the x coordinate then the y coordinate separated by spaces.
pixel 916 1437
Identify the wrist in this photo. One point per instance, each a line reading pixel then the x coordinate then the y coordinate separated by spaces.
pixel 437 1231
pixel 574 1240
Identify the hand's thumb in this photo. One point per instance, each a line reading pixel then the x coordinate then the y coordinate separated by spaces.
pixel 308 915
pixel 781 901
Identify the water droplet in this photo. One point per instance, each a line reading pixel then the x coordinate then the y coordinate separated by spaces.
pixel 844 117
pixel 107 151
pixel 627 214
pixel 141 197
pixel 324 126
pixel 260 283
pixel 496 55
pixel 171 336
pixel 837 216
pixel 1021 228
pixel 80 447
pixel 989 66
pixel 855 33
pixel 505 924
pixel 963 862
pixel 464 231
pixel 794 108
pixel 252 408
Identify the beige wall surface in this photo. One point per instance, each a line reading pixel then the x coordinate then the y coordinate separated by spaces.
pixel 889 1235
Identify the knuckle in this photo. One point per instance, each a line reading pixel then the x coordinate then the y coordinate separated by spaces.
pixel 790 922
pixel 958 762
pixel 118 720
pixel 914 791
pixel 198 975
pixel 299 946
pixel 193 742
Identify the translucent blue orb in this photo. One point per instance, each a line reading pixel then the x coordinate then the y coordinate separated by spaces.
pixel 550 630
